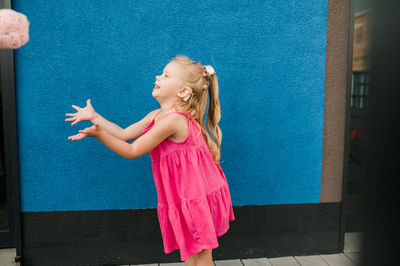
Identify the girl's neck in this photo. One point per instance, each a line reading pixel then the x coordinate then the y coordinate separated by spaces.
pixel 167 110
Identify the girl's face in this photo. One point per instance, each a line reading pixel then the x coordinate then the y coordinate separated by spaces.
pixel 169 83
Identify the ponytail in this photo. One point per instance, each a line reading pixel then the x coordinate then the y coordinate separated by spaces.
pixel 213 117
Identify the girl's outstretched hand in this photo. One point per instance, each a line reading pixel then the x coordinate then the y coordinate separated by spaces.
pixel 77 136
pixel 86 113
pixel 92 131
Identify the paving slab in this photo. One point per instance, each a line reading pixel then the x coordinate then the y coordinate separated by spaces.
pixel 284 261
pixel 236 262
pixel 337 260
pixel 313 260
pixel 354 257
pixel 256 262
pixel 173 264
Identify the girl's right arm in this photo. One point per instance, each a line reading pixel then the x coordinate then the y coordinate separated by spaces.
pixel 136 130
pixel 110 127
pixel 88 113
pixel 130 133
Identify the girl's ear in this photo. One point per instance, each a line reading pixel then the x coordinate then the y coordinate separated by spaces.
pixel 185 92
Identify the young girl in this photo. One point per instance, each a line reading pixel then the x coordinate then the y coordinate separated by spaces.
pixel 194 204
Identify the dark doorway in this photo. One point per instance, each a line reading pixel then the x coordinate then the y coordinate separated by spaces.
pixel 5 237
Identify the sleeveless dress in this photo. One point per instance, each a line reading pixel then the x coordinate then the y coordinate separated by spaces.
pixel 194 203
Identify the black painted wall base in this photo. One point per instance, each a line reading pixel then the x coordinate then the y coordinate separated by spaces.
pixel 118 237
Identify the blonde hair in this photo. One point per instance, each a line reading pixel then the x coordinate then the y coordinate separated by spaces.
pixel 192 76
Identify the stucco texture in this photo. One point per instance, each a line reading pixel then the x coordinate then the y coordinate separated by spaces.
pixel 269 57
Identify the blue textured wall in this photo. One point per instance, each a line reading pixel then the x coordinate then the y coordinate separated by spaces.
pixel 270 59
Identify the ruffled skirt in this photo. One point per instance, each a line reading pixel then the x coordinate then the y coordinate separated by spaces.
pixel 195 224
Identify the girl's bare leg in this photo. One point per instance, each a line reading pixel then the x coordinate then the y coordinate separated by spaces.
pixel 204 258
pixel 191 261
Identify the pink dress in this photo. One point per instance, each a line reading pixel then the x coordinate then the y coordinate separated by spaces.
pixel 194 204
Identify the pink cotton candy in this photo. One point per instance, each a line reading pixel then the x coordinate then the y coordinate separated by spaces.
pixel 14 29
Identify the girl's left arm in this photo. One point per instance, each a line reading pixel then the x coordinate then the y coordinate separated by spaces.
pixel 142 145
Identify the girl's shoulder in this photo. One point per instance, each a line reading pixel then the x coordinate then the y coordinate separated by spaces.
pixel 150 116
pixel 155 111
